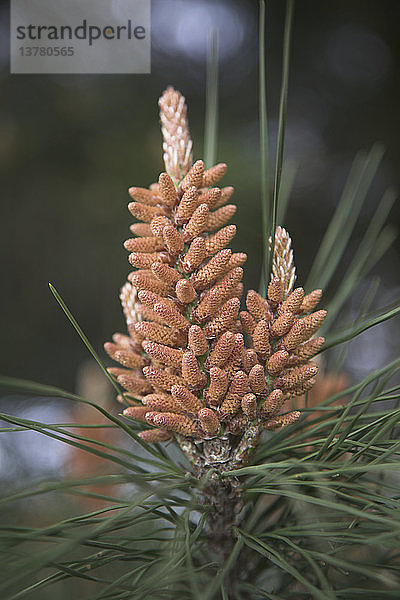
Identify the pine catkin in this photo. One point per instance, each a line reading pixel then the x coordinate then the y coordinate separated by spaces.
pixel 141 229
pixel 185 292
pixel 303 329
pixel 157 225
pixel 186 358
pixel 172 422
pixel 213 269
pixel 191 372
pixel 257 379
pixel 144 244
pixel 311 301
pixel 283 420
pixel 185 399
pixel 143 212
pixel 194 176
pixel 143 195
pixel 208 421
pixel 218 386
pixel 214 174
pixel 220 240
pixel 225 317
pixel 197 342
pixel 152 436
pixel 249 406
pixel 197 223
pixel 167 190
pixel 187 206
pixel 165 354
pixel 195 255
pixel 165 273
pixel 220 217
pixel 222 349
pixel 173 239
pixel 261 339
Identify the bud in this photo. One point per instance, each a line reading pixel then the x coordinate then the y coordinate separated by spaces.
pixel 261 339
pixel 220 217
pixel 222 349
pixel 214 174
pixel 249 406
pixel 273 404
pixel 282 324
pixel 275 290
pixel 257 306
pixel 257 379
pixel 303 329
pixel 173 239
pixel 152 436
pixel 277 362
pixel 167 190
pixel 293 302
pixel 197 341
pixel 185 291
pixel 208 421
pixel 185 399
pixel 191 372
pixel 197 223
pixel 172 422
pixel 195 255
pixel 218 386
pixel 283 420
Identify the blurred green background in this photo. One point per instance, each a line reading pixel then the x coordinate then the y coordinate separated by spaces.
pixel 70 146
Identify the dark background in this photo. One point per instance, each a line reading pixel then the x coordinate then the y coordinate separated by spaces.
pixel 70 146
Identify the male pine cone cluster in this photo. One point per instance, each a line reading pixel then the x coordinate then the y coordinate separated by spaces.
pixel 193 363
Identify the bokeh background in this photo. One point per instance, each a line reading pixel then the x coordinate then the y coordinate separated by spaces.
pixel 70 146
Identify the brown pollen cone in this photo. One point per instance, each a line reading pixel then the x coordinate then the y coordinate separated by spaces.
pixel 208 421
pixel 194 365
pixel 197 341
